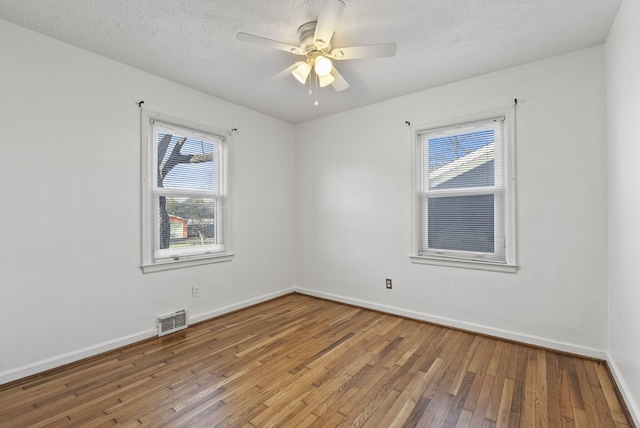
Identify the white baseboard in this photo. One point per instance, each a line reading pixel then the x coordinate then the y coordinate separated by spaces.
pixel 476 328
pixel 59 360
pixel 632 406
pixel 236 306
pixel 70 357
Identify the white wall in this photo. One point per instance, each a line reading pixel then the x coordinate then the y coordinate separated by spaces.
pixel 70 214
pixel 623 108
pixel 353 198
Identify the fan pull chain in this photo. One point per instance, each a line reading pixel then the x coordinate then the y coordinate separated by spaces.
pixel 316 103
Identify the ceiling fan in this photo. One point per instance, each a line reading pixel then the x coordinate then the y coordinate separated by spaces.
pixel 315 44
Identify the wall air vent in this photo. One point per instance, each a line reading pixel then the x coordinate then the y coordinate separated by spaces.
pixel 172 322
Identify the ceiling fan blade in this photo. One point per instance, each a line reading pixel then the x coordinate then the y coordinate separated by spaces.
pixel 327 22
pixel 250 38
pixel 369 51
pixel 339 84
pixel 286 72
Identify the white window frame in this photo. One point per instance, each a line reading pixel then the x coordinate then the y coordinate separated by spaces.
pixel 153 258
pixel 505 219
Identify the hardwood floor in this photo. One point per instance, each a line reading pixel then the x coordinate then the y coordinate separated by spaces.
pixel 297 361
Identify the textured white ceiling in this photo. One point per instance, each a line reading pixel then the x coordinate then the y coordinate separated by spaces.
pixel 192 42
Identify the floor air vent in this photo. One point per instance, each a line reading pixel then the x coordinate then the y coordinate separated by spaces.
pixel 172 322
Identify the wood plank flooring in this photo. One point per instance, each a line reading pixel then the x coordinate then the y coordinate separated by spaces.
pixel 298 361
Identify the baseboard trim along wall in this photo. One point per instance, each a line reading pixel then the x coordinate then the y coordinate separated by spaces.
pixel 60 360
pixel 70 357
pixel 237 306
pixel 632 407
pixel 474 328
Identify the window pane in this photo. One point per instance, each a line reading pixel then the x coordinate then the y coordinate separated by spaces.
pixel 461 160
pixel 191 222
pixel 185 163
pixel 461 223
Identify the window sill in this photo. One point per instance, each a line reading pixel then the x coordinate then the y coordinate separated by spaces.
pixel 465 264
pixel 184 263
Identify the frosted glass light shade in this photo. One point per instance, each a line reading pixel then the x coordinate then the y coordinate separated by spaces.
pixel 302 72
pixel 326 80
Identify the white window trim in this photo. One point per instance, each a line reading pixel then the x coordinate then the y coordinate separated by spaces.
pixel 510 266
pixel 465 264
pixel 149 264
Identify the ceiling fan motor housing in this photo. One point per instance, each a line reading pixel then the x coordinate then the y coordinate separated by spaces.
pixel 305 35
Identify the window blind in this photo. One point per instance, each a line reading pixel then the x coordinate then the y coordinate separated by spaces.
pixel 462 191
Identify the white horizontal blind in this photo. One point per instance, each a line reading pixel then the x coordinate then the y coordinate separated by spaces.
pixel 189 191
pixel 462 195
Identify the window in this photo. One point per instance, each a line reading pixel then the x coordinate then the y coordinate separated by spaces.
pixel 185 194
pixel 465 195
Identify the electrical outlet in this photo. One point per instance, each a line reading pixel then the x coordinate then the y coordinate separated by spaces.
pixel 389 283
pixel 195 292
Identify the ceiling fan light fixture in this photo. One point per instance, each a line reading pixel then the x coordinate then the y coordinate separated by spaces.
pixel 326 80
pixel 302 72
pixel 315 48
pixel 323 65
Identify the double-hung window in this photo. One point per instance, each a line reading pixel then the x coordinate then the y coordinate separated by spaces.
pixel 465 195
pixel 185 194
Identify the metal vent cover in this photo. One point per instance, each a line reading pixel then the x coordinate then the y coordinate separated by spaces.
pixel 172 322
